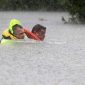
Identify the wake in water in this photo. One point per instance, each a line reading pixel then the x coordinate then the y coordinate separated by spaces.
pixel 30 41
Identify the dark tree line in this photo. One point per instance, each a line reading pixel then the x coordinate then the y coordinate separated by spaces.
pixel 31 5
pixel 75 7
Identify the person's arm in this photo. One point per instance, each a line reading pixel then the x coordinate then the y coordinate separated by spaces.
pixel 31 35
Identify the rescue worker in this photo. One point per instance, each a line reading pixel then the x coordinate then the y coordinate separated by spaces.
pixel 16 31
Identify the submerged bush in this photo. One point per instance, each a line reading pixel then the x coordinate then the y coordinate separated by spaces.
pixel 77 9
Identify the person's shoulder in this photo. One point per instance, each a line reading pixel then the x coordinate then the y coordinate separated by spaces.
pixel 5 31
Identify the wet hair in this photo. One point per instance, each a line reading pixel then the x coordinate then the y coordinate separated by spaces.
pixel 15 27
pixel 38 27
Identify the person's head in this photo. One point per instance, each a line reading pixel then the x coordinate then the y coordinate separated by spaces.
pixel 39 31
pixel 18 31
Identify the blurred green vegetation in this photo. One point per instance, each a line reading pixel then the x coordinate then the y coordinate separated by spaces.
pixel 47 5
pixel 75 7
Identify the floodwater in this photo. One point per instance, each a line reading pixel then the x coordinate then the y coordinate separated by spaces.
pixel 59 60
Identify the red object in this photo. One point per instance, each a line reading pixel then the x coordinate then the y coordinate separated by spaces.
pixel 31 35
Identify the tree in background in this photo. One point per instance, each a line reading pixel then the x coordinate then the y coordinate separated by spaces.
pixel 46 5
pixel 3 4
pixel 77 9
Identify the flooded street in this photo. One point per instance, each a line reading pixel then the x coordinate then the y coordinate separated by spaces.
pixel 58 60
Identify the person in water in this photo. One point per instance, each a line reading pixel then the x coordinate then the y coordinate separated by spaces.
pixel 16 31
pixel 39 31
